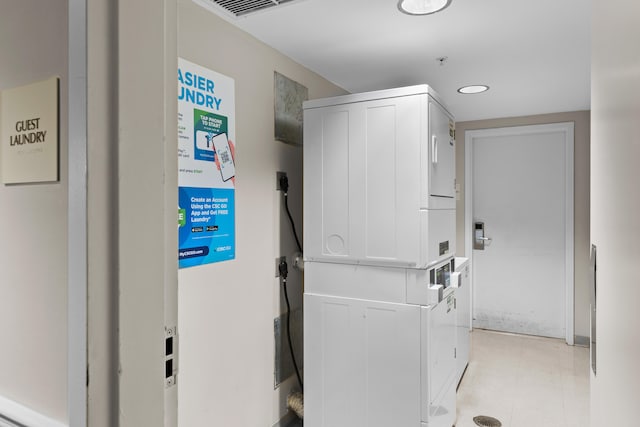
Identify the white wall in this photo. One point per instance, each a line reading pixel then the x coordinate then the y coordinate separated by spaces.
pixel 33 225
pixel 581 199
pixel 615 210
pixel 226 310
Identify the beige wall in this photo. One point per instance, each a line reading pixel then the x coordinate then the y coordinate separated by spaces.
pixel 147 232
pixel 33 225
pixel 581 198
pixel 226 310
pixel 131 209
pixel 615 210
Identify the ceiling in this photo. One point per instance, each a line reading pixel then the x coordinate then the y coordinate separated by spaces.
pixel 534 55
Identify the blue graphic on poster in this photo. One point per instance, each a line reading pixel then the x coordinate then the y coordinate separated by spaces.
pixel 206 232
pixel 206 166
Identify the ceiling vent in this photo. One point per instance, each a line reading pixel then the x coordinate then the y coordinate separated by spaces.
pixel 240 8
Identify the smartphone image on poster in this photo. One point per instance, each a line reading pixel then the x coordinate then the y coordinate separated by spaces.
pixel 225 158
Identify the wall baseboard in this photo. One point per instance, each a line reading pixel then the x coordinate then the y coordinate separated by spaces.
pixel 13 414
pixel 581 341
pixel 286 420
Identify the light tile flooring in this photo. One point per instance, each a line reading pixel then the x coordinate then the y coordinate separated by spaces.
pixel 525 381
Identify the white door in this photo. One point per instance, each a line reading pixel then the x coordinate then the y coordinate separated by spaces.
pixel 521 190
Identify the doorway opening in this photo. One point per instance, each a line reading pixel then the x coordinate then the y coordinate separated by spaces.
pixel 519 187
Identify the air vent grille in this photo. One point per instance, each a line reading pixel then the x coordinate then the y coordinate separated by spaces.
pixel 244 7
pixel 8 422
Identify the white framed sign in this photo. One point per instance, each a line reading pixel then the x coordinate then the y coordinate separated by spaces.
pixel 29 132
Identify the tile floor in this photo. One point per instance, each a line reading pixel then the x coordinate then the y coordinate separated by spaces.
pixel 525 381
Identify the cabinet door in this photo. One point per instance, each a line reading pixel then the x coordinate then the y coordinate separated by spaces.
pixel 362 363
pixel 441 153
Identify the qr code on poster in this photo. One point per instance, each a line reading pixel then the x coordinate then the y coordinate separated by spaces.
pixel 224 157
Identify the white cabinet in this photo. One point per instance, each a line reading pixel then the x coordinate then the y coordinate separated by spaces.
pixel 379 174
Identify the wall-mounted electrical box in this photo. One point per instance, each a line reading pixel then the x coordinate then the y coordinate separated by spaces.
pixel 170 356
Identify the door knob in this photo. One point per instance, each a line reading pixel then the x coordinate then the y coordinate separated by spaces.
pixel 480 241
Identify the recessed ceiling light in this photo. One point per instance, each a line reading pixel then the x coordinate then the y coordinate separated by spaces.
pixel 422 7
pixel 473 89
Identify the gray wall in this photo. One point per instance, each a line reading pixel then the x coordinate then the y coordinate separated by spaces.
pixel 581 198
pixel 615 208
pixel 226 310
pixel 33 225
pixel 102 213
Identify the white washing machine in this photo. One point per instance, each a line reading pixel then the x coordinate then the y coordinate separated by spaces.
pixel 374 363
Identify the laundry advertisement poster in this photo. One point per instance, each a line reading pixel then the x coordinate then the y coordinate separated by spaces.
pixel 206 166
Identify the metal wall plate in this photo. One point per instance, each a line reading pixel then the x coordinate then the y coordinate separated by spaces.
pixel 283 366
pixel 289 96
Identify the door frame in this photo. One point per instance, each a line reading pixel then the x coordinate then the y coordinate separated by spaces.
pixel 77 264
pixel 567 128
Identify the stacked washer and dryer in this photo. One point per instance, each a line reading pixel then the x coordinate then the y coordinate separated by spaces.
pixel 380 313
